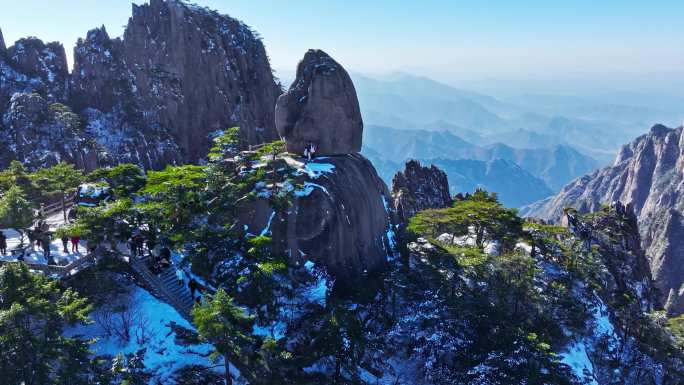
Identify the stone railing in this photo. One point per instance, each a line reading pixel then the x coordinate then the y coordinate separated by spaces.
pixel 61 271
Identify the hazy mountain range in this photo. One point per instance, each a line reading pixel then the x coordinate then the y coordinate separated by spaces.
pixel 519 175
pixel 597 129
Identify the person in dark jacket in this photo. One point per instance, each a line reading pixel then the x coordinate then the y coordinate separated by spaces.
pixel 45 244
pixel 192 285
pixel 3 243
pixel 34 238
pixel 65 243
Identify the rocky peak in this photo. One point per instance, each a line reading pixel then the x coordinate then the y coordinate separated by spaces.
pixel 419 188
pixel 320 107
pixel 47 62
pixel 3 47
pixel 648 174
pixel 614 231
pixel 40 134
pixel 99 79
pixel 199 72
pixel 180 75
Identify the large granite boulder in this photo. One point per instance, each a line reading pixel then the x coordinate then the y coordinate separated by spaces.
pixel 31 66
pixel 320 107
pixel 418 188
pixel 340 217
pixel 648 174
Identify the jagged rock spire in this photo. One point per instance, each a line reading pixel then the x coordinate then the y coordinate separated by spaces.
pixel 2 42
pixel 418 188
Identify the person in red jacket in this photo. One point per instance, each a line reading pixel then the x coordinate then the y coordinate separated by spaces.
pixel 75 240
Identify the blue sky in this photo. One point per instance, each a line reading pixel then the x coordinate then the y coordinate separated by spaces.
pixel 440 38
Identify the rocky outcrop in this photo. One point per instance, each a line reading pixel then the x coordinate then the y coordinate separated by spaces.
pixel 339 215
pixel 648 174
pixel 3 48
pixel 30 66
pixel 180 74
pixel 418 188
pixel 614 233
pixel 46 62
pixel 39 133
pixel 321 108
pixel 184 68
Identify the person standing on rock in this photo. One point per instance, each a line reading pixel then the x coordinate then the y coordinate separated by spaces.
pixel 3 243
pixel 309 151
pixel 32 239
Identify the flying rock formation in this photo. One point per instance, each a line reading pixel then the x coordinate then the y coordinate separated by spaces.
pixel 320 108
pixel 418 188
pixel 648 174
pixel 340 216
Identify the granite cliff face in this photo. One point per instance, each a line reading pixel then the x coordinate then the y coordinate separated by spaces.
pixel 648 174
pixel 180 74
pixel 418 188
pixel 320 107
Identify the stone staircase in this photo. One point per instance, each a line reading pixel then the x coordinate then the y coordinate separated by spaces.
pixel 165 286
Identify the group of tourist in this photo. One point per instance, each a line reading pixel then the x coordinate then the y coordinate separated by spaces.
pixel 40 236
pixel 310 151
pixel 160 260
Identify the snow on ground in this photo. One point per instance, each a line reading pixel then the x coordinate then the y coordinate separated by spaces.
pixel 163 356
pixel 308 189
pixel 576 357
pixel 491 247
pixel 524 247
pixel 314 169
pixel 267 229
pixel 179 259
pixel 36 256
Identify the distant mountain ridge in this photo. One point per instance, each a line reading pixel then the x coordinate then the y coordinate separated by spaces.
pixel 515 186
pixel 598 129
pixel 556 165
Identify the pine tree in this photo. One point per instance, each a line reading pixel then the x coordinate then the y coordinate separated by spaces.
pixel 61 179
pixel 220 321
pixel 16 211
pixel 33 313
